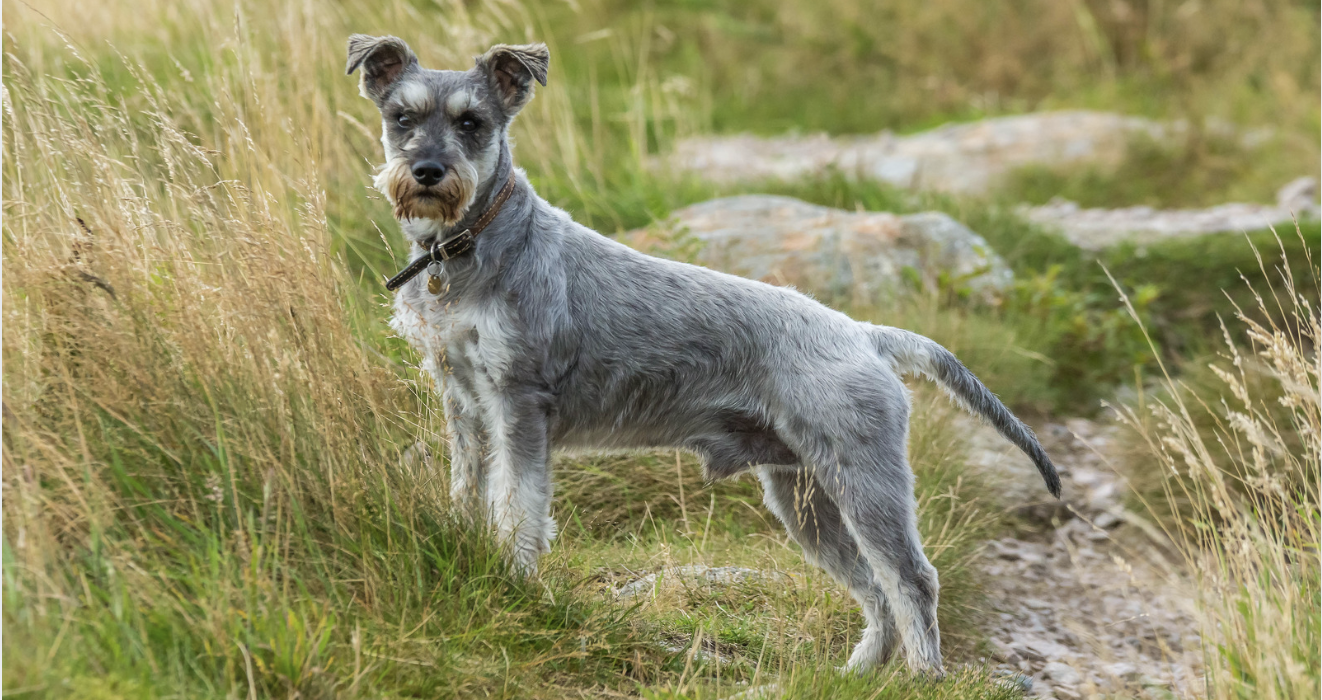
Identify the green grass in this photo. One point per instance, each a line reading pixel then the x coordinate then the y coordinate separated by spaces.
pixel 824 684
pixel 1195 170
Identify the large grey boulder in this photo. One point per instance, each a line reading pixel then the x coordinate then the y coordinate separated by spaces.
pixel 829 252
pixel 967 158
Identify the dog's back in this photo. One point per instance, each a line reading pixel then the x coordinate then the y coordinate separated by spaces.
pixel 657 350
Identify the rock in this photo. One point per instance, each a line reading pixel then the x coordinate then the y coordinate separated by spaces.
pixel 1121 669
pixel 1016 550
pixel 761 692
pixel 1299 196
pixel 1005 652
pixel 1106 520
pixel 1013 680
pixel 1095 229
pixel 1066 693
pixel 698 575
pixel 1061 674
pixel 958 158
pixel 1039 648
pixel 699 656
pixel 829 252
pixel 1072 617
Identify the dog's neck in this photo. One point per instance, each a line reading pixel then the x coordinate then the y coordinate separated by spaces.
pixel 423 231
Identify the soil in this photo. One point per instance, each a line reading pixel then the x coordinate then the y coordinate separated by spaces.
pixel 1086 599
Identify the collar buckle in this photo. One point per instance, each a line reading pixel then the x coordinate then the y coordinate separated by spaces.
pixel 459 244
pixel 453 247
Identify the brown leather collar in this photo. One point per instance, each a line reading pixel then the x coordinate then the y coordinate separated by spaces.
pixel 454 246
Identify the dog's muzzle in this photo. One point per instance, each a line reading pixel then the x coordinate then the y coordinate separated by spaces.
pixel 455 246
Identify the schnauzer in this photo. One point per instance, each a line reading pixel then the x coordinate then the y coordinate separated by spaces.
pixel 544 335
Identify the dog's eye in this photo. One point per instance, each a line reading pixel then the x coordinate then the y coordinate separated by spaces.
pixel 468 124
pixel 404 121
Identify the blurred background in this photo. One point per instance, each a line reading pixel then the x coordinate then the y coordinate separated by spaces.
pixel 225 477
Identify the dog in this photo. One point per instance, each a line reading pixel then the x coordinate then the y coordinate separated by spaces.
pixel 543 335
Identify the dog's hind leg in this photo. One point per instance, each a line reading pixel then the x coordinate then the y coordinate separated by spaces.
pixel 853 426
pixel 875 496
pixel 813 520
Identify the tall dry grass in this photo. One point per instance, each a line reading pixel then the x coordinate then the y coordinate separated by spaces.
pixel 1244 461
pixel 204 416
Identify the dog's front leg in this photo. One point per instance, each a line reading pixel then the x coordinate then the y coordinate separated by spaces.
pixel 519 473
pixel 463 420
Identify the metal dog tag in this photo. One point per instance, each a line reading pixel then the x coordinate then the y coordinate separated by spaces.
pixel 434 278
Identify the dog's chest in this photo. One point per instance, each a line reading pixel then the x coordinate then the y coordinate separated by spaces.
pixel 457 335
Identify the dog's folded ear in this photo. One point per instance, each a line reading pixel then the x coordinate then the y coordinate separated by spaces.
pixel 511 70
pixel 383 60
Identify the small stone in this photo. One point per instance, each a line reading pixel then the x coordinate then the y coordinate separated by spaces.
pixel 1152 682
pixel 1061 674
pixel 1102 496
pixel 1085 477
pixel 1005 652
pixel 699 575
pixel 1013 681
pixel 1106 520
pixel 1120 669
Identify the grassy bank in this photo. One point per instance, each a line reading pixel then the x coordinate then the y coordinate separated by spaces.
pixel 206 422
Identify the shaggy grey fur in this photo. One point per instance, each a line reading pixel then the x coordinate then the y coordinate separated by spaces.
pixel 550 336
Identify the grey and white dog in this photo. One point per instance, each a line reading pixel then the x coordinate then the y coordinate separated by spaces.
pixel 549 336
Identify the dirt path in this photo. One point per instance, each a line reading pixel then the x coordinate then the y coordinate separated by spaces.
pixel 1083 601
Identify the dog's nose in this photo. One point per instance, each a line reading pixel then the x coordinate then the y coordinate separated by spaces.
pixel 428 172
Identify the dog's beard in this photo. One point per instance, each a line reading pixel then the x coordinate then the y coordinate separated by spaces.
pixel 446 201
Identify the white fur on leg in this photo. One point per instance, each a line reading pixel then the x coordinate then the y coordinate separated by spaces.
pixel 870 651
pixel 879 639
pixel 467 483
pixel 518 504
pixel 922 645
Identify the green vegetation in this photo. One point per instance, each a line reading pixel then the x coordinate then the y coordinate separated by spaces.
pixel 206 422
pixel 1194 170
pixel 1236 490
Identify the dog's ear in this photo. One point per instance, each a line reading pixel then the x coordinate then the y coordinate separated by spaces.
pixel 511 70
pixel 383 60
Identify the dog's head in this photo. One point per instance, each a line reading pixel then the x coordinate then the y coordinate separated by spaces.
pixel 442 130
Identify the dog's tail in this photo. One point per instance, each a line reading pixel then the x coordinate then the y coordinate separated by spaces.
pixel 913 353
